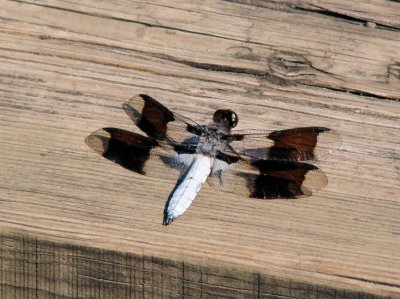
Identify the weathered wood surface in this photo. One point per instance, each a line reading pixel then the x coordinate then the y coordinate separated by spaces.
pixel 66 68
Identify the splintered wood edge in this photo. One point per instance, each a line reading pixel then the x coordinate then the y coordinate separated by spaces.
pixel 65 269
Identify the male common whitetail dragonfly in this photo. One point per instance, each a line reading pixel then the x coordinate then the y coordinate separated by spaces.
pixel 256 164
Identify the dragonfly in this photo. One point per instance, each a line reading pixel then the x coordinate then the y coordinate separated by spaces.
pixel 260 164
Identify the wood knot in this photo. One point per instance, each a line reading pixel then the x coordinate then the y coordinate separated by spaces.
pixel 292 67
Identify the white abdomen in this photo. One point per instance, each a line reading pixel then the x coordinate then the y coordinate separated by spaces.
pixel 190 185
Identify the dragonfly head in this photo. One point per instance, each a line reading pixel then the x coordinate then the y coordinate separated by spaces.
pixel 226 117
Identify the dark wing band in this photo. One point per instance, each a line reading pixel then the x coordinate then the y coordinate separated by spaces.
pixel 158 122
pixel 135 152
pixel 298 144
pixel 269 179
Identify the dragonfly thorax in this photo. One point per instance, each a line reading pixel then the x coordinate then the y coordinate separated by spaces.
pixel 212 142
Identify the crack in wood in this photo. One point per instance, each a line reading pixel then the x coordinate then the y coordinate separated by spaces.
pixel 356 92
pixel 371 281
pixel 393 72
pixel 341 16
pixel 307 6
pixel 150 25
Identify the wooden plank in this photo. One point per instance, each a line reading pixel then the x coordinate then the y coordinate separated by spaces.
pixel 98 273
pixel 313 51
pixel 65 70
pixel 377 12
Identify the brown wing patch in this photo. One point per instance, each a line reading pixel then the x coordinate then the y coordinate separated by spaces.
pixel 135 152
pixel 158 122
pixel 270 179
pixel 281 179
pixel 149 115
pixel 298 144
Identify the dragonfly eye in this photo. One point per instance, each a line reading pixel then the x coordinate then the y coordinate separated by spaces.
pixel 226 117
pixel 234 119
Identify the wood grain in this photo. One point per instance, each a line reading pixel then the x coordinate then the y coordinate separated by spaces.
pixel 54 270
pixel 65 70
pixel 385 14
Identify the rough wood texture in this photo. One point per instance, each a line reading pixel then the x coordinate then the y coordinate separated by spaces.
pixel 65 70
pixel 51 270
